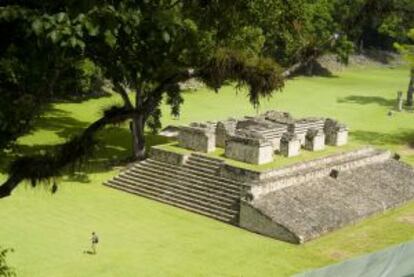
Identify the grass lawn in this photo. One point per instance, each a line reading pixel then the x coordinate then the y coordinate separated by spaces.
pixel 139 237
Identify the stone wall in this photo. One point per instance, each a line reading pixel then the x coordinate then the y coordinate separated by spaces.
pixel 350 197
pixel 167 156
pixel 311 173
pixel 255 221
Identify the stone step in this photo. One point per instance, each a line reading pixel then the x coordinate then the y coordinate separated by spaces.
pixel 205 162
pixel 173 198
pixel 174 202
pixel 178 193
pixel 195 175
pixel 206 159
pixel 175 182
pixel 189 181
pixel 333 163
pixel 287 170
pixel 220 180
pixel 202 166
pixel 313 173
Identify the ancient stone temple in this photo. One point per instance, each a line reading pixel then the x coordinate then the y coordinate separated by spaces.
pixel 295 203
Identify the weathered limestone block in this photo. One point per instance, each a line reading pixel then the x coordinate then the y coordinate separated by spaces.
pixel 315 140
pixel 198 137
pixel 335 132
pixel 225 129
pixel 249 147
pixel 290 145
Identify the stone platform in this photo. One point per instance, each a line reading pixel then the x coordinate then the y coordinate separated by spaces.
pixel 294 203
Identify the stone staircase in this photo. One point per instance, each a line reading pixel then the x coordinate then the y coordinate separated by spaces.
pixel 194 186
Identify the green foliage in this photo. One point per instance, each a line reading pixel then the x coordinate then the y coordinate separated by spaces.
pixel 262 76
pixel 40 61
pixel 407 49
pixel 374 23
pixel 297 30
pixel 5 270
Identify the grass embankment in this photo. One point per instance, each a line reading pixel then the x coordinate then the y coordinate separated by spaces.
pixel 140 237
pixel 278 160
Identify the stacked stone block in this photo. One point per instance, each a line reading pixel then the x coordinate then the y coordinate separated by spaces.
pixel 290 145
pixel 315 140
pixel 300 127
pixel 335 132
pixel 198 137
pixel 224 129
pixel 249 147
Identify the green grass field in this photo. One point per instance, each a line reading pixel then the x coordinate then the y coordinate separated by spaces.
pixel 140 237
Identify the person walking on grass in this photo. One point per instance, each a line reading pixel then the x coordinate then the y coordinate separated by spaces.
pixel 94 241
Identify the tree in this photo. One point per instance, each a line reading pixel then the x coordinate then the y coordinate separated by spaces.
pixel 5 270
pixel 408 52
pixel 145 49
pixel 374 23
pixel 33 71
pixel 298 32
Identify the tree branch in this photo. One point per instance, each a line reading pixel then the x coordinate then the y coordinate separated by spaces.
pixel 155 96
pixel 292 69
pixel 121 91
pixel 39 168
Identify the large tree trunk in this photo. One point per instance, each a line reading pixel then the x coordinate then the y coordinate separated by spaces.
pixel 138 136
pixel 410 91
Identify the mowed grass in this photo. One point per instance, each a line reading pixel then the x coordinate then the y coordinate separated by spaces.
pixel 140 237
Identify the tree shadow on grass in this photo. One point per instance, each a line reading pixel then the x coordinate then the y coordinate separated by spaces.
pixel 403 137
pixel 114 147
pixel 366 100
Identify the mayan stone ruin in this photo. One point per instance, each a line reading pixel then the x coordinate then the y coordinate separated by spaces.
pixel 294 203
pixel 256 140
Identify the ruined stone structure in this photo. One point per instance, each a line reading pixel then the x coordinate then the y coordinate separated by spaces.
pixel 315 140
pixel 224 129
pixel 270 131
pixel 294 203
pixel 198 137
pixel 247 139
pixel 250 147
pixel 290 145
pixel 336 133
